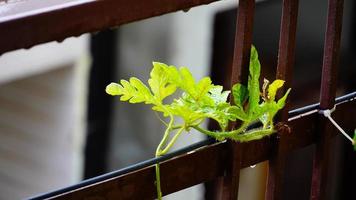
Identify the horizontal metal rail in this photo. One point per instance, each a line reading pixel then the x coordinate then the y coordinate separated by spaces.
pixel 313 107
pixel 200 162
pixel 29 22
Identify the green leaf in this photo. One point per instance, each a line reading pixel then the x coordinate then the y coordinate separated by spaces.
pixel 141 94
pixel 219 116
pixel 173 75
pixel 186 110
pixel 253 81
pixel 237 113
pixel 217 94
pixel 186 81
pixel 202 88
pixel 240 94
pixel 128 91
pixel 273 87
pixel 135 92
pixel 254 53
pixel 281 101
pixel 114 89
pixel 221 113
pixel 165 109
pixel 159 81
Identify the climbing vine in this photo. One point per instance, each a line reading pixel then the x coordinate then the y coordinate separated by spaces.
pixel 202 100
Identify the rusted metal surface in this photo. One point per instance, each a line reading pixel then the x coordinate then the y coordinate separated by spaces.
pixel 204 164
pixel 286 56
pixel 286 52
pixel 229 184
pixel 321 162
pixel 331 53
pixel 243 40
pixel 176 174
pixel 27 23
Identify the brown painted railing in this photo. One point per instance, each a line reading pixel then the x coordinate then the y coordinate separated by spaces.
pixel 32 22
pixel 199 165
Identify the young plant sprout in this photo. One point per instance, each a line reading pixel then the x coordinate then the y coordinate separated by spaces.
pixel 202 100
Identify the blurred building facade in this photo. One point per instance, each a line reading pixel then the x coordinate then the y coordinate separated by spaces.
pixel 42 117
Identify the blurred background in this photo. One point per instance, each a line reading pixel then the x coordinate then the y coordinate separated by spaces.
pixel 58 127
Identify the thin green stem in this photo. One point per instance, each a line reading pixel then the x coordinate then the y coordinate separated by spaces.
pixel 165 136
pixel 222 135
pixel 241 129
pixel 158 182
pixel 177 127
pixel 160 119
pixel 207 132
pixel 171 143
pixel 239 134
pixel 158 153
pixel 199 121
pixel 253 134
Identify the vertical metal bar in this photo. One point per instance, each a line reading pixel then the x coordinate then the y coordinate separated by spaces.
pixel 243 41
pixel 286 52
pixel 327 98
pixel 240 64
pixel 331 53
pixel 286 57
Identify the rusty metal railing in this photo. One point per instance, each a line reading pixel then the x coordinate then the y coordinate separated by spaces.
pixel 24 28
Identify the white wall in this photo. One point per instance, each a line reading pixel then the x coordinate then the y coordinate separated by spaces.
pixel 42 117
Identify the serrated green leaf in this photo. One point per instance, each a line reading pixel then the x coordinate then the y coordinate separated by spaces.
pixel 162 108
pixel 218 95
pixel 173 75
pixel 202 88
pixel 273 87
pixel 134 91
pixel 186 76
pixel 159 81
pixel 221 113
pixel 219 116
pixel 240 94
pixel 128 91
pixel 142 93
pixel 187 82
pixel 260 110
pixel 186 110
pixel 237 113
